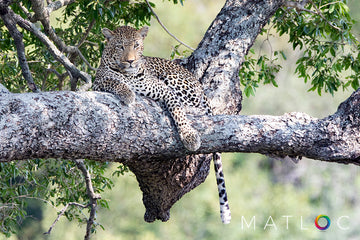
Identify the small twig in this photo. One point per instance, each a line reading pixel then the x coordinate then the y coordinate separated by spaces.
pixel 85 60
pixel 91 43
pixel 36 198
pixel 92 195
pixel 82 40
pixel 62 213
pixel 330 3
pixel 89 188
pixel 24 9
pixel 166 30
pixel 60 76
pixel 324 18
pixel 87 32
pixel 8 205
pixel 300 6
pixel 10 23
pixel 54 71
pixel 269 43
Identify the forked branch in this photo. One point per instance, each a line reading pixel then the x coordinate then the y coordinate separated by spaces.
pixel 62 212
pixel 92 201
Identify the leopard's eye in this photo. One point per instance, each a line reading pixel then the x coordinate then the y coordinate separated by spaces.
pixel 136 45
pixel 119 47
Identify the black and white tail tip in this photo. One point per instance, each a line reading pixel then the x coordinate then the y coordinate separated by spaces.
pixel 225 213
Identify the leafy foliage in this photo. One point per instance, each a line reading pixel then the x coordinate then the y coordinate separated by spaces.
pixel 176 53
pixel 53 182
pixel 255 71
pixel 322 32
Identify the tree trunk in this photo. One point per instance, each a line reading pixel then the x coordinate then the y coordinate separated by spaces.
pixel 217 60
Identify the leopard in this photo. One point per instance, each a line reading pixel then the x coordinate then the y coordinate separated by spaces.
pixel 124 71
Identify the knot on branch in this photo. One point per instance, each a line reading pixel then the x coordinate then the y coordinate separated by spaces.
pixel 164 181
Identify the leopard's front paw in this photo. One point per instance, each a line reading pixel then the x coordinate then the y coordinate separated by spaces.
pixel 128 97
pixel 191 139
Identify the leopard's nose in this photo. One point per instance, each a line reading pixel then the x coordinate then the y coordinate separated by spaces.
pixel 130 58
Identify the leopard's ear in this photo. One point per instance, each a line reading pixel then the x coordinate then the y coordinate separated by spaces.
pixel 143 31
pixel 108 33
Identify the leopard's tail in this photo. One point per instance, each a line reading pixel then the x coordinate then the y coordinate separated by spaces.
pixel 225 213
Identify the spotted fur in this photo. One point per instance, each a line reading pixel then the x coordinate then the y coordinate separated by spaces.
pixel 225 213
pixel 124 71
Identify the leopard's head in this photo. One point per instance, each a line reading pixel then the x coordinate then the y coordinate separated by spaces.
pixel 124 48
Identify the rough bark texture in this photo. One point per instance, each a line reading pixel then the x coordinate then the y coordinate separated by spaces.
pixel 163 181
pixel 95 125
pixel 217 60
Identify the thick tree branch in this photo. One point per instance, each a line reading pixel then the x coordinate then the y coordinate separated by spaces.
pixel 53 6
pixel 96 126
pixel 93 125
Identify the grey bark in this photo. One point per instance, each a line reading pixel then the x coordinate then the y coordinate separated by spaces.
pixel 217 60
pixel 97 126
pixel 42 15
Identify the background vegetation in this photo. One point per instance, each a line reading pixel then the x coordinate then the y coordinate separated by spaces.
pixel 257 185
